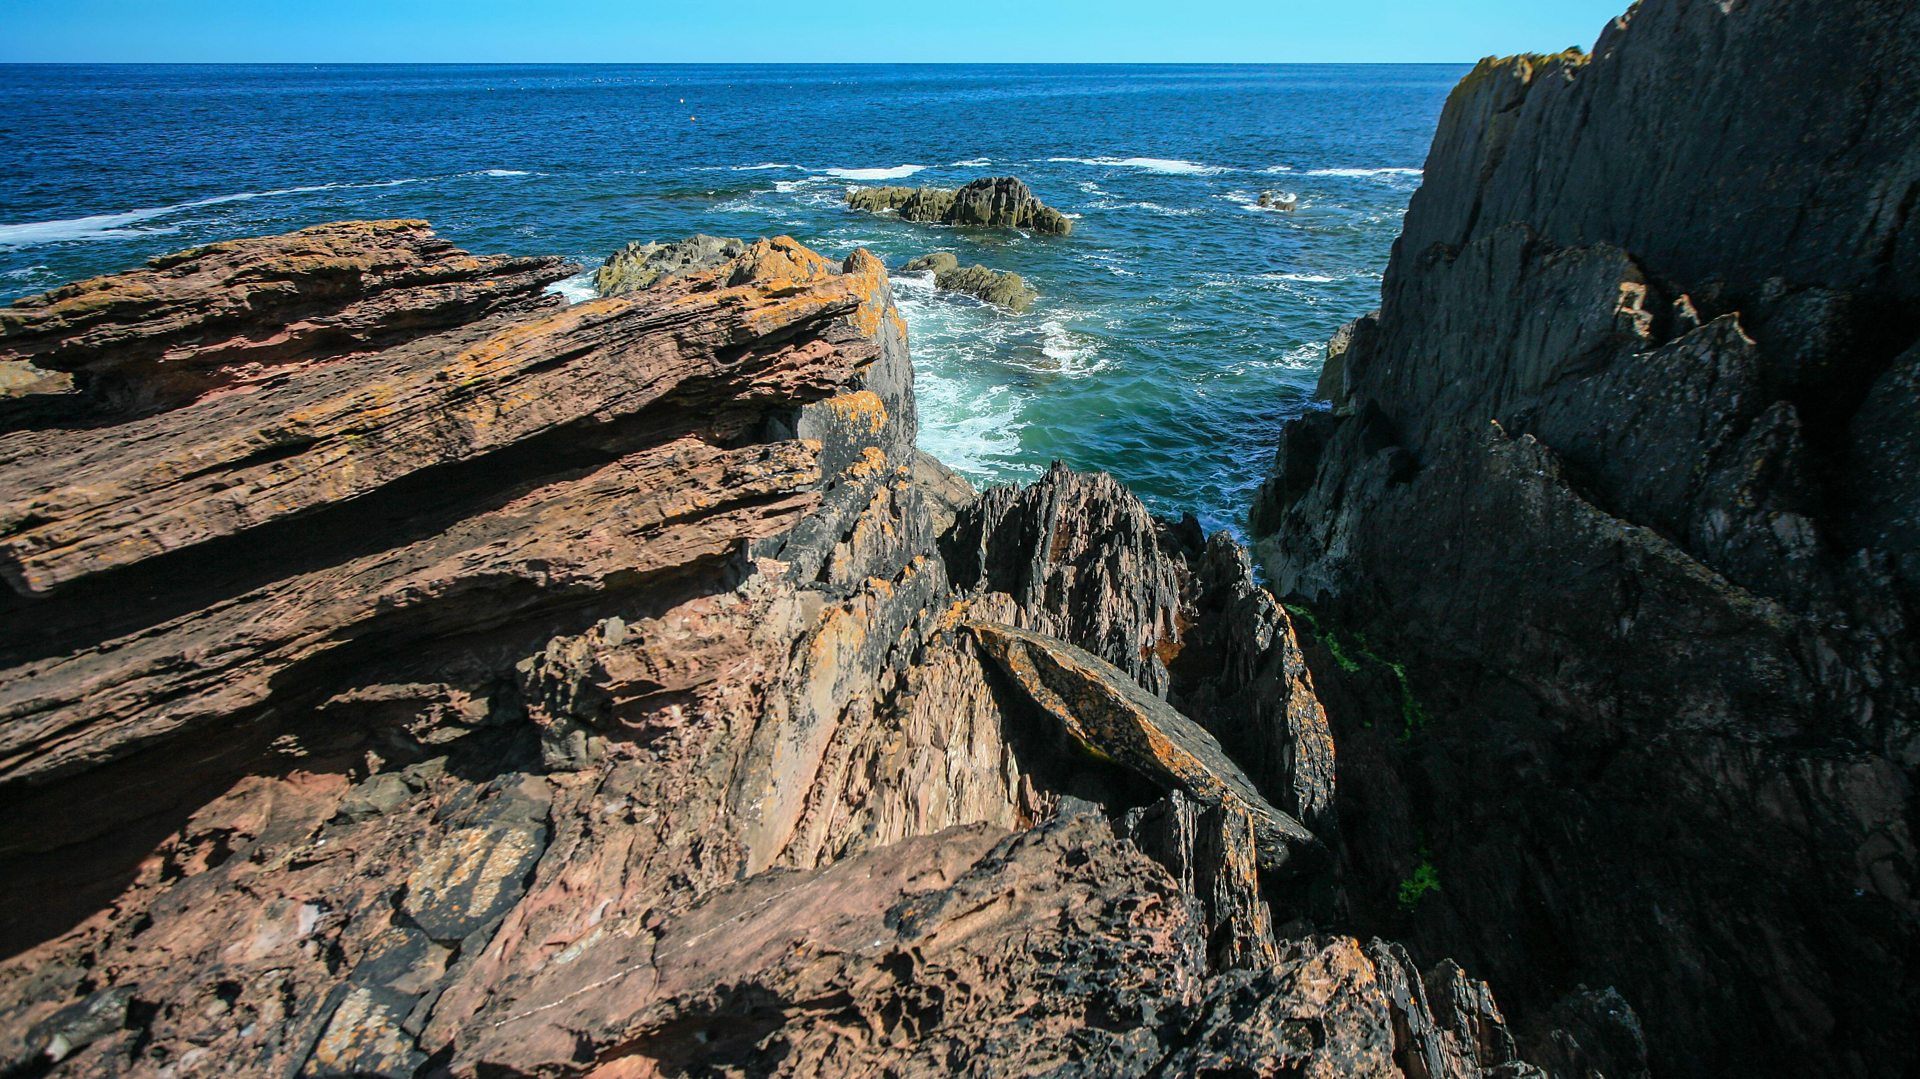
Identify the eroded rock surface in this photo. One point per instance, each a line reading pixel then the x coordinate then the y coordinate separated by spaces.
pixel 591 690
pixel 1611 538
pixel 994 202
pixel 641 265
pixel 1001 288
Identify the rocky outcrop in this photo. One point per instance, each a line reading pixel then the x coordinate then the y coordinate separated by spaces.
pixel 614 690
pixel 640 266
pixel 1001 202
pixel 1610 538
pixel 1001 288
pixel 230 315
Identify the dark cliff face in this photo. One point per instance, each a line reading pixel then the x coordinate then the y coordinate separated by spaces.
pixel 421 677
pixel 1621 477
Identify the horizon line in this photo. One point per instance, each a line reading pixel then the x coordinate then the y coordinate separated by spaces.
pixel 741 63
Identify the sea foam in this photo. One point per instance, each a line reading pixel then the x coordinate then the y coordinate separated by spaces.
pixel 1169 166
pixel 113 226
pixel 1366 172
pixel 895 173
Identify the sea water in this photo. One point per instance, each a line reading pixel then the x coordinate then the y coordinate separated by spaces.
pixel 1176 330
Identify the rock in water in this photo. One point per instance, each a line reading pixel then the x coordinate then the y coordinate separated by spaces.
pixel 1613 494
pixel 469 684
pixel 1001 288
pixel 1285 201
pixel 640 266
pixel 993 202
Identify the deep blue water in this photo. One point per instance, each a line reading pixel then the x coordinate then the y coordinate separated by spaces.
pixel 1177 328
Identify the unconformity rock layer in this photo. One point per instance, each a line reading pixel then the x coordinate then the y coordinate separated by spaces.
pixel 403 673
pixel 1614 527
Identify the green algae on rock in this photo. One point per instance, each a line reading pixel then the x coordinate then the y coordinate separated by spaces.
pixel 639 266
pixel 1002 288
pixel 993 202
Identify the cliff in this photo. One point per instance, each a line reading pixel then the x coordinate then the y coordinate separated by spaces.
pixel 405 673
pixel 1613 536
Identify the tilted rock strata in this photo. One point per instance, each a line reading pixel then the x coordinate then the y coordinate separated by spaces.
pixel 1001 202
pixel 627 722
pixel 1110 717
pixel 1615 480
pixel 229 314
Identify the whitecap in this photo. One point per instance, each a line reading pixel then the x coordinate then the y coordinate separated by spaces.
pixel 972 163
pixel 1303 278
pixel 1169 166
pixel 761 168
pixel 577 289
pixel 1366 172
pixel 503 172
pixel 1278 168
pixel 110 226
pixel 1075 353
pixel 894 173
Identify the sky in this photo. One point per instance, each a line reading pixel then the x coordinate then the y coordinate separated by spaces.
pixel 796 31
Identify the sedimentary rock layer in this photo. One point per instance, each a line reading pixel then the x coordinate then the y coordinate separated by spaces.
pixel 601 690
pixel 1611 521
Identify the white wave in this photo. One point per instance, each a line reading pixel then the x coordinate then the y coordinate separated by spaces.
pixel 1169 166
pixel 918 281
pixel 761 168
pixel 894 173
pixel 108 226
pixel 1075 353
pixel 972 163
pixel 503 172
pixel 1366 172
pixel 1278 168
pixel 1303 278
pixel 577 289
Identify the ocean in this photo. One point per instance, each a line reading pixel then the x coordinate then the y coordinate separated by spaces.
pixel 1176 330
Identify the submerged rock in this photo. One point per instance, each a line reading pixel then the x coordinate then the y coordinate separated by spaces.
pixel 1279 200
pixel 1001 288
pixel 991 202
pixel 639 266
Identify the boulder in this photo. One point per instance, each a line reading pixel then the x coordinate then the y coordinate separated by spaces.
pixel 997 287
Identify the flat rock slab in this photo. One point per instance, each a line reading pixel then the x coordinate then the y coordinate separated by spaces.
pixel 1112 717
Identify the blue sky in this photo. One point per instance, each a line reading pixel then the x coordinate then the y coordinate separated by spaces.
pixel 658 31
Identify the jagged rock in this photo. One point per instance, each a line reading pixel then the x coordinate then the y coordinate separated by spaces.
pixel 232 314
pixel 991 202
pixel 1658 611
pixel 640 266
pixel 1003 289
pixel 587 690
pixel 1111 718
pixel 1285 201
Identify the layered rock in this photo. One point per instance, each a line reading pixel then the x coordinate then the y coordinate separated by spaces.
pixel 993 202
pixel 1611 531
pixel 613 689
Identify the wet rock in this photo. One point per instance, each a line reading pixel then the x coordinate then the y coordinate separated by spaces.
pixel 992 202
pixel 1285 201
pixel 1003 289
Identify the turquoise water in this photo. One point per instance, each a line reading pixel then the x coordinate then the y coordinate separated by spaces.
pixel 1176 330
